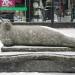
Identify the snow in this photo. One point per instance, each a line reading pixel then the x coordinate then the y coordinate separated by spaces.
pixel 1 45
pixel 68 31
pixel 67 53
pixel 36 73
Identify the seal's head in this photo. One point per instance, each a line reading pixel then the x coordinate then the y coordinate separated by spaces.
pixel 6 25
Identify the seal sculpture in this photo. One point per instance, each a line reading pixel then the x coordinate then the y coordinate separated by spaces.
pixel 11 35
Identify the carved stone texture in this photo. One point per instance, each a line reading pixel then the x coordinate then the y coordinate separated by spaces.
pixel 37 62
pixel 33 36
pixel 35 49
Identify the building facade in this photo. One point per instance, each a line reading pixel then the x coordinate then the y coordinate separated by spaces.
pixel 54 11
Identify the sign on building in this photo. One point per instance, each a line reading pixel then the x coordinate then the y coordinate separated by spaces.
pixel 7 3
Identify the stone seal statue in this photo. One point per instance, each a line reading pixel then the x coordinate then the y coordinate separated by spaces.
pixel 12 35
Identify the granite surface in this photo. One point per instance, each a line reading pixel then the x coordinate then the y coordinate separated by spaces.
pixel 35 49
pixel 33 36
pixel 37 62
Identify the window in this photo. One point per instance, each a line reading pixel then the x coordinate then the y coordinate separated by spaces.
pixel 64 10
pixel 12 10
pixel 39 10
